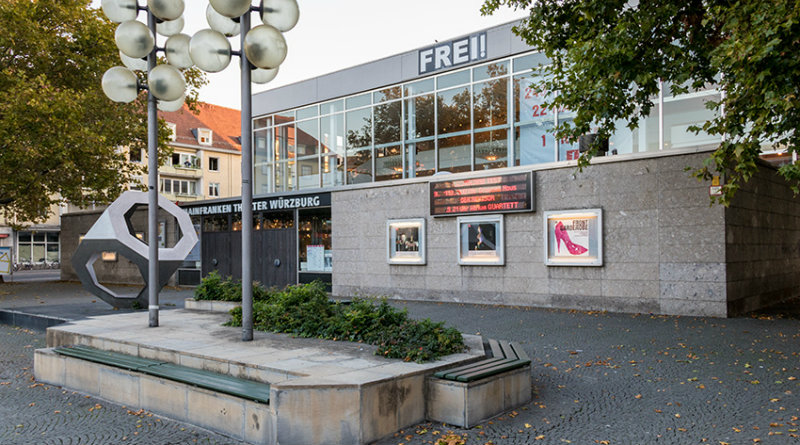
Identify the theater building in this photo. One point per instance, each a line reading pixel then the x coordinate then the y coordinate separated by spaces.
pixel 434 175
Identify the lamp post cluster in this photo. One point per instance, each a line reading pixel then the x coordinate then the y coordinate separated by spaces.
pixel 263 49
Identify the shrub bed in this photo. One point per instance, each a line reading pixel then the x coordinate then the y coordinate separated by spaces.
pixel 306 311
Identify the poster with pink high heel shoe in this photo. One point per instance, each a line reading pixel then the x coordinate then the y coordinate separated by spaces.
pixel 574 237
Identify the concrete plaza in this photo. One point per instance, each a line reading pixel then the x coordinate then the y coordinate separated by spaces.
pixel 597 377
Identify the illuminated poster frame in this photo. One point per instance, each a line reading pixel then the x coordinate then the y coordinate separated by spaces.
pixel 481 240
pixel 573 237
pixel 405 241
pixel 488 194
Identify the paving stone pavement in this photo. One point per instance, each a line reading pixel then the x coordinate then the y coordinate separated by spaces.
pixel 32 413
pixel 598 378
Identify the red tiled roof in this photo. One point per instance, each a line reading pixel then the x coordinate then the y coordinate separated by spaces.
pixel 224 122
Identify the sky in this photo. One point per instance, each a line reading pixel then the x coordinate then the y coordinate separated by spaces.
pixel 335 34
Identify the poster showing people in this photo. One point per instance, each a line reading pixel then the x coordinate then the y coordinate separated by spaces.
pixel 481 240
pixel 574 238
pixel 406 241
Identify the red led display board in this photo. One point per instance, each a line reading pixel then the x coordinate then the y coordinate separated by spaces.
pixel 490 194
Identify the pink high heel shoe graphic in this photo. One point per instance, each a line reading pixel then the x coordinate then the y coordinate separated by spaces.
pixel 561 235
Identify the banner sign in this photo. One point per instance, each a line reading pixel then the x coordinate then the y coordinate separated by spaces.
pixel 492 194
pixel 262 204
pixel 453 53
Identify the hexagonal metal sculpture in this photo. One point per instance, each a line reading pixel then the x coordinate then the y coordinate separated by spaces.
pixel 113 231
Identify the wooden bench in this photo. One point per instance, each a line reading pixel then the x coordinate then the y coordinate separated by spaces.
pixel 246 389
pixel 505 357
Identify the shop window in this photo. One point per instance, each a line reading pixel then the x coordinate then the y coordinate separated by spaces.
pixel 682 112
pixel 534 143
pixel 273 220
pixel 314 236
pixel 215 223
pixel 213 164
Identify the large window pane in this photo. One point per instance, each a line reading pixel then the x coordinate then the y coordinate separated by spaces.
pixel 453 79
pixel 387 122
pixel 419 117
pixel 284 117
pixel 526 63
pixel 307 112
pixel 491 70
pixel 52 252
pixel 332 170
pixel 358 101
pixel 534 143
pixel 419 87
pixel 454 110
pixel 455 154
pixel 332 129
pixel 285 142
pixel 314 240
pixel 491 149
pixel 490 103
pixel 332 106
pixel 307 137
pixel 264 155
pixel 420 159
pixel 359 165
pixel 387 94
pixel 359 128
pixel 529 101
pixel 24 253
pixel 682 113
pixel 284 176
pixel 388 163
pixel 308 173
pixel 38 253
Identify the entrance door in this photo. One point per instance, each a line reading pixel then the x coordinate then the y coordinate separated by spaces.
pixel 275 257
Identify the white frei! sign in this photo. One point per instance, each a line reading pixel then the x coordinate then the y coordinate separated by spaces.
pixel 537 143
pixel 453 53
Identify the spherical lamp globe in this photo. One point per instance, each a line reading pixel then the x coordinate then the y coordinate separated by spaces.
pixel 218 22
pixel 265 46
pixel 231 8
pixel 134 39
pixel 166 9
pixel 120 85
pixel 262 76
pixel 282 14
pixel 177 50
pixel 210 50
pixel 171 27
pixel 171 105
pixel 133 64
pixel 166 82
pixel 119 11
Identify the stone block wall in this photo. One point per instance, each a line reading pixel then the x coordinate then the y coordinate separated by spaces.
pixel 762 243
pixel 664 246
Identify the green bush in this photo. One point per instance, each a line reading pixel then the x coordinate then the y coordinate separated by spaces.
pixel 305 311
pixel 213 287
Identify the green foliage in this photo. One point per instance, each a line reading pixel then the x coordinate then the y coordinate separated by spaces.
pixel 59 134
pixel 305 311
pixel 608 57
pixel 213 287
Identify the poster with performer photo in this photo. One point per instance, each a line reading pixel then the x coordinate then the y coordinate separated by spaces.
pixel 574 237
pixel 480 240
pixel 406 241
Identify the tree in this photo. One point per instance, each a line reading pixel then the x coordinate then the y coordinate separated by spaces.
pixel 608 56
pixel 61 139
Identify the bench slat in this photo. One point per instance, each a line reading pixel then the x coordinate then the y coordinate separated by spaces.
pixel 519 351
pixel 117 359
pixel 508 351
pixel 492 370
pixel 451 374
pixel 497 351
pixel 246 389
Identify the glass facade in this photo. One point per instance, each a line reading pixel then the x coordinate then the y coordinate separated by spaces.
pixel 478 118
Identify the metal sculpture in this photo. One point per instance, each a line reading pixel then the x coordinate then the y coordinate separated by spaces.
pixel 113 231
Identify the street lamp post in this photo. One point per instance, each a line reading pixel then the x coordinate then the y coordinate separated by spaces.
pixel 263 49
pixel 165 90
